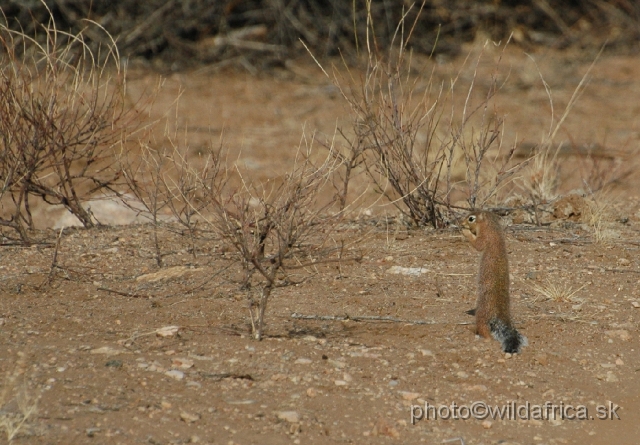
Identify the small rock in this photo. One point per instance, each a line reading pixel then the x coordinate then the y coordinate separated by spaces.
pixel 623 261
pixel 611 377
pixel 462 374
pixel 337 363
pixel 113 364
pixel 406 395
pixel 165 405
pixel 182 363
pixel 487 424
pixel 302 361
pixel 288 416
pixel 619 362
pixel 278 377
pixel 175 374
pixel 312 392
pixel 166 274
pixel 479 388
pixel 531 275
pixel 167 331
pixel 188 417
pixel 410 271
pixel 340 383
pixel 635 304
pixel 569 207
pixel 108 350
pixel 92 431
pixel 310 338
pixel 426 352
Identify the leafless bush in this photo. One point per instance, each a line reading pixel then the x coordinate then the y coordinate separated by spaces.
pixel 61 114
pixel 144 172
pixel 280 229
pixel 193 182
pixel 412 145
pixel 163 181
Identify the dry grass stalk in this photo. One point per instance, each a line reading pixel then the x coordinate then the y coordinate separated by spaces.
pixel 559 292
pixel 17 406
pixel 540 181
pixel 598 215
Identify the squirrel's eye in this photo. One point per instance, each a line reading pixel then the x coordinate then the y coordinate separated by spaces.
pixel 472 218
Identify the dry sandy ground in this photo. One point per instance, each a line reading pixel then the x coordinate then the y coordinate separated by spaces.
pixel 86 344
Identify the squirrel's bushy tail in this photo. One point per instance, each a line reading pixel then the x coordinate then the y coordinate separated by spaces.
pixel 512 341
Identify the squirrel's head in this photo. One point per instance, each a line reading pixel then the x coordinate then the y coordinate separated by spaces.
pixel 470 223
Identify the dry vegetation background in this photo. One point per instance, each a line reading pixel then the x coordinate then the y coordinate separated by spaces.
pixel 78 128
pixel 258 34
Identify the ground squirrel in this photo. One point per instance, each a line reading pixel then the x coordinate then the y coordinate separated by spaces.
pixel 492 313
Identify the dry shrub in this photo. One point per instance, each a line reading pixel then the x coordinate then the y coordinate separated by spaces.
pixel 61 114
pixel 415 146
pixel 144 172
pixel 165 183
pixel 280 229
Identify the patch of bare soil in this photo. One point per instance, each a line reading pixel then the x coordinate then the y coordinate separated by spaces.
pixel 385 336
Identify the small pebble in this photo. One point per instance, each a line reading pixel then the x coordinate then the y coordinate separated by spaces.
pixel 188 417
pixel 175 374
pixel 288 416
pixel 406 395
pixel 167 331
pixel 312 392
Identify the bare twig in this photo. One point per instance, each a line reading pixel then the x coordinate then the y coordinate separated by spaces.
pixel 54 262
pixel 124 294
pixel 372 318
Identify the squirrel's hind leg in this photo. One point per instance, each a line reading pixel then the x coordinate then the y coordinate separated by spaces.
pixel 482 329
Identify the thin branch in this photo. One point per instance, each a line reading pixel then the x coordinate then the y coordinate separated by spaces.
pixel 372 318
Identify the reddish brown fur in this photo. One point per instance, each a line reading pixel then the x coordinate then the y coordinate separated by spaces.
pixel 485 235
